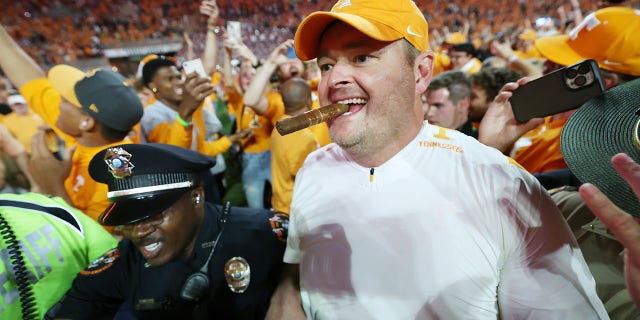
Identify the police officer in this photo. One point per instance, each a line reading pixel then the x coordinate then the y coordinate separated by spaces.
pixel 182 257
pixel 44 243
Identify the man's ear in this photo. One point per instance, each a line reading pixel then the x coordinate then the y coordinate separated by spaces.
pixel 197 195
pixel 423 71
pixel 87 123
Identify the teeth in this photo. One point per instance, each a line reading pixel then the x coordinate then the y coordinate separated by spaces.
pixel 178 91
pixel 353 101
pixel 151 247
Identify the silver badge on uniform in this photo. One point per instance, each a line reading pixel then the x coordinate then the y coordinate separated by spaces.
pixel 119 162
pixel 238 274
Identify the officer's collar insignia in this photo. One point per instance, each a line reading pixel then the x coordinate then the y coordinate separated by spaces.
pixel 238 274
pixel 119 162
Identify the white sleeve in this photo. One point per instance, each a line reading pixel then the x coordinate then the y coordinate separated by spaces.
pixel 544 275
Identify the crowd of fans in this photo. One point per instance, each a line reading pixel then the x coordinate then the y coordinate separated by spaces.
pixel 65 31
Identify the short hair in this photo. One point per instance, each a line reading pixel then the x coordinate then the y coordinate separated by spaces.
pixel 465 47
pixel 150 68
pixel 492 79
pixel 411 52
pixel 457 82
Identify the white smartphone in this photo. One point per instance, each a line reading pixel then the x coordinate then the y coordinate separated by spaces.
pixel 194 65
pixel 233 31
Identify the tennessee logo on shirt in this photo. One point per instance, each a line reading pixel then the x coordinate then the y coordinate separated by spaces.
pixel 101 264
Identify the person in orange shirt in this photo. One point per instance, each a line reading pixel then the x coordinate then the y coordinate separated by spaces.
pixel 89 111
pixel 463 58
pixel 536 144
pixel 288 152
pixel 22 122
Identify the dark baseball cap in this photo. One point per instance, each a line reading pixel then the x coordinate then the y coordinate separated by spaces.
pixel 105 95
pixel 145 179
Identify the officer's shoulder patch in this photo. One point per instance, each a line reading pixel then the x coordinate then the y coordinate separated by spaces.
pixel 101 264
pixel 280 225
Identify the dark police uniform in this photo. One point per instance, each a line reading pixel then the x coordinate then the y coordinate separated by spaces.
pixel 154 292
pixel 143 180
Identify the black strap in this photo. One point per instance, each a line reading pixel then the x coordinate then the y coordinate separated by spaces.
pixel 58 212
pixel 20 272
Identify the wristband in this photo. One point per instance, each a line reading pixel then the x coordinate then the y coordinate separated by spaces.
pixel 183 122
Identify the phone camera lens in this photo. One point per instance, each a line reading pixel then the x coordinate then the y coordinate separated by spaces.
pixel 583 69
pixel 571 73
pixel 580 80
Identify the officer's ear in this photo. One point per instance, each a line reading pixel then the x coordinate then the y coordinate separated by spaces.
pixel 197 195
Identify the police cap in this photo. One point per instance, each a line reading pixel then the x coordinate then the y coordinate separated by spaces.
pixel 145 179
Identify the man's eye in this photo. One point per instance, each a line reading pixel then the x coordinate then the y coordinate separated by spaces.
pixel 325 67
pixel 361 58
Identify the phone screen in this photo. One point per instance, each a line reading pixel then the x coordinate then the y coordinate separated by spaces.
pixel 291 53
pixel 194 65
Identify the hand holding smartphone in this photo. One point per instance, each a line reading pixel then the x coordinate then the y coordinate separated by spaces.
pixel 233 31
pixel 561 90
pixel 194 65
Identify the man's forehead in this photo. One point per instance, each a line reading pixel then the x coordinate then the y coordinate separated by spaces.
pixel 341 36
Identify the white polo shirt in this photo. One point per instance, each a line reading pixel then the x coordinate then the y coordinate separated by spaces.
pixel 448 228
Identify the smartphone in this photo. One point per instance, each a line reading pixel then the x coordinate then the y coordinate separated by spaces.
pixel 233 31
pixel 561 90
pixel 194 65
pixel 291 53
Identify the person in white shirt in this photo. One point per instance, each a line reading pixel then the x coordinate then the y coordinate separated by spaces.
pixel 399 219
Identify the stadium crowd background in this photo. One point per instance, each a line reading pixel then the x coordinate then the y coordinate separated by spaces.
pixel 72 31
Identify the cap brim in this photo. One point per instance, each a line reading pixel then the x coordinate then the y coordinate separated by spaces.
pixel 63 78
pixel 129 210
pixel 307 37
pixel 557 49
pixel 598 130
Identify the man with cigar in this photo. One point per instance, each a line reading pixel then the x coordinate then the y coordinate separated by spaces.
pixel 182 257
pixel 400 219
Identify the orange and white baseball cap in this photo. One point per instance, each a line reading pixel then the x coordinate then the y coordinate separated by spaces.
pixel 609 36
pixel 381 20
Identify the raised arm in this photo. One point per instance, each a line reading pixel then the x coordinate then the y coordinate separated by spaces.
pixel 19 67
pixel 254 96
pixel 210 55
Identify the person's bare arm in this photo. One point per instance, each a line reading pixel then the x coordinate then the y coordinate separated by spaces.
pixel 17 65
pixel 285 302
pixel 254 97
pixel 622 224
pixel 210 55
pixel 22 161
pixel 186 38
pixel 503 50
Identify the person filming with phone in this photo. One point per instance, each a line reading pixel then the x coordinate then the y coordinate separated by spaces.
pixel 603 36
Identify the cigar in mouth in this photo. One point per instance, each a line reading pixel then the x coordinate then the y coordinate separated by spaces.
pixel 309 118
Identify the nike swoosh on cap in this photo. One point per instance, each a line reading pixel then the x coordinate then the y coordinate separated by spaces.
pixel 413 33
